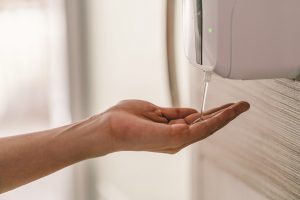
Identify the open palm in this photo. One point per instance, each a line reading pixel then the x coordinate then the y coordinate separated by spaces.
pixel 137 125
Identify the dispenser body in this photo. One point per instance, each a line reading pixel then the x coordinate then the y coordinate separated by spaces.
pixel 243 39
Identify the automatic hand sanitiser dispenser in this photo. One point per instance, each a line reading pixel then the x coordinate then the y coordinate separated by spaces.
pixel 243 39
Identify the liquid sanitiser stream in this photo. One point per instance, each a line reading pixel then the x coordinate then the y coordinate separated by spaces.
pixel 206 80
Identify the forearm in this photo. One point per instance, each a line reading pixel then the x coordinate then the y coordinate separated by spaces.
pixel 28 157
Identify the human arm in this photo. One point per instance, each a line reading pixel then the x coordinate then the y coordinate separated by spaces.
pixel 129 126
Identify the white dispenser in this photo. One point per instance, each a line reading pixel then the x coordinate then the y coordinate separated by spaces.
pixel 244 39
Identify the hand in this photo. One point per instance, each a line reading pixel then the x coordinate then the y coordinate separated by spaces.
pixel 135 125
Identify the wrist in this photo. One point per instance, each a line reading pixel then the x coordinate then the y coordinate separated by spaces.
pixel 86 139
pixel 97 138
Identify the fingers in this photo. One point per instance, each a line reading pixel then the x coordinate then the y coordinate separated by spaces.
pixel 211 111
pixel 207 127
pixel 193 117
pixel 175 136
pixel 177 113
pixel 156 117
pixel 178 134
pixel 177 121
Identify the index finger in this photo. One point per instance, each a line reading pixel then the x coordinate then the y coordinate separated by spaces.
pixel 209 126
pixel 191 118
pixel 213 110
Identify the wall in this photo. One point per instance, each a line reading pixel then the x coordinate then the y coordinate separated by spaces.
pixel 257 156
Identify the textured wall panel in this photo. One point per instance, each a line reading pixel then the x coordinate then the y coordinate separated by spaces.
pixel 262 147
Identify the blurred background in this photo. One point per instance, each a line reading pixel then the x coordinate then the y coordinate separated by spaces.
pixel 61 61
pixel 64 60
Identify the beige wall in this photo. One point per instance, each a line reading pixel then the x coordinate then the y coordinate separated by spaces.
pixel 257 156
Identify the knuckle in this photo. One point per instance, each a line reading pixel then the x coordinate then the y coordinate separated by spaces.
pixel 157 111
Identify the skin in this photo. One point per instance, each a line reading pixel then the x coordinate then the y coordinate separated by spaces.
pixel 131 125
